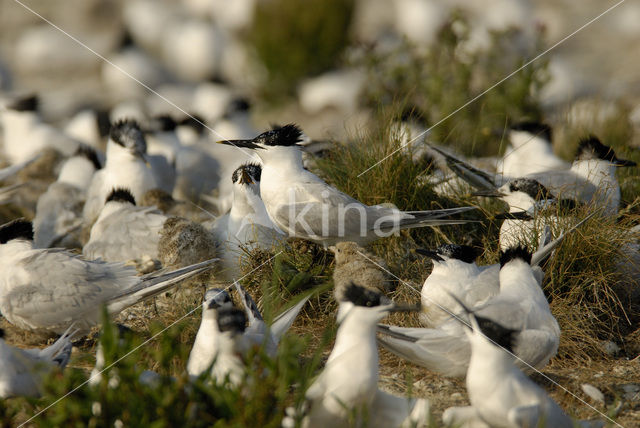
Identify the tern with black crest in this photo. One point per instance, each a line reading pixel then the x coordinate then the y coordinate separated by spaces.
pixel 302 205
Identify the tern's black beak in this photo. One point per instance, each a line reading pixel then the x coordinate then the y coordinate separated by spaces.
pixel 429 253
pixel 492 193
pixel 623 162
pixel 246 144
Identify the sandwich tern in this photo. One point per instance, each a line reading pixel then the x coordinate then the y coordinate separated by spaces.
pixel 501 395
pixel 125 167
pixel 529 151
pixel 205 346
pixel 25 134
pixel 520 304
pixel 58 218
pixel 304 206
pixel 247 225
pixel 22 371
pixel 349 381
pixel 124 231
pixel 49 289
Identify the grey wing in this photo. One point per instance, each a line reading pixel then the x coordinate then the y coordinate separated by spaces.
pixel 25 372
pixel 126 235
pixel 437 350
pixel 309 203
pixel 58 212
pixel 566 184
pixel 536 348
pixel 54 288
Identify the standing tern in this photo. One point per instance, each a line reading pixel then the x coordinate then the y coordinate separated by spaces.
pixel 205 346
pixel 58 218
pixel 520 304
pixel 591 178
pixel 501 395
pixel 304 206
pixel 258 333
pixel 529 151
pixel 456 273
pixel 47 290
pixel 25 134
pixel 247 226
pixel 125 167
pixel 349 381
pixel 22 371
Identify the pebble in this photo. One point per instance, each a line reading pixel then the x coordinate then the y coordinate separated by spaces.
pixel 592 392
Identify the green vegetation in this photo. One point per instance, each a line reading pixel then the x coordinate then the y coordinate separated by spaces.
pixel 430 84
pixel 295 39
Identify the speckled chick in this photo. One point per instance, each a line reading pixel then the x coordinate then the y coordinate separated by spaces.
pixel 183 242
pixel 356 265
pixel 173 207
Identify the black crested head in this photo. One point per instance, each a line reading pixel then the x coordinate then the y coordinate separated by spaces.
pixel 121 195
pixel 361 296
pixel 535 128
pixel 231 319
pixel 127 133
pixel 163 123
pixel 16 229
pixel 464 253
pixel 239 104
pixel 514 253
pixel 217 297
pixel 592 148
pixel 194 122
pixel 499 335
pixel 126 41
pixel 104 122
pixel 287 135
pixel 90 154
pixel 248 173
pixel 531 187
pixel 27 103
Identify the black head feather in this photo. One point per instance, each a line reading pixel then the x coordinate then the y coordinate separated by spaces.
pixel 535 128
pixel 498 334
pixel 126 40
pixel 239 104
pixel 361 296
pixel 592 148
pixel 287 135
pixel 104 122
pixel 28 103
pixel 253 170
pixel 465 253
pixel 89 153
pixel 16 229
pixel 531 187
pixel 195 122
pixel 217 297
pixel 127 133
pixel 231 319
pixel 121 195
pixel 163 123
pixel 515 253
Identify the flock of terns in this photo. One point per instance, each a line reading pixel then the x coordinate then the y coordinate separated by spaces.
pixel 126 209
